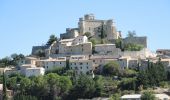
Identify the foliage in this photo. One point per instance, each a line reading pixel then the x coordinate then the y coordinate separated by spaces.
pixel 128 84
pixel 88 34
pixel 25 97
pixel 148 95
pixel 111 68
pixel 51 39
pixel 153 75
pixel 129 73
pixel 119 43
pixel 5 97
pixel 133 47
pixel 131 34
pixel 115 96
pixel 86 88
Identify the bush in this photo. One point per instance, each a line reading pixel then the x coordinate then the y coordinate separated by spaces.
pixel 133 47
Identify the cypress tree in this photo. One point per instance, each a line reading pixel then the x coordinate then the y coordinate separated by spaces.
pixel 4 87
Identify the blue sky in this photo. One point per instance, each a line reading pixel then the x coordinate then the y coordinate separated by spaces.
pixel 24 23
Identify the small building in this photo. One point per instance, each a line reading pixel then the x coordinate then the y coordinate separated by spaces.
pixel 31 70
pixel 131 97
pixel 35 71
pixel 27 60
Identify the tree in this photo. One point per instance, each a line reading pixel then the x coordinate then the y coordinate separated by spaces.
pixel 51 39
pixel 84 88
pixel 115 96
pixel 5 97
pixel 119 43
pixel 148 95
pixel 58 85
pixel 99 85
pixel 131 34
pixel 25 97
pixel 25 84
pixel 111 68
pixel 103 35
pixel 128 84
pixel 88 34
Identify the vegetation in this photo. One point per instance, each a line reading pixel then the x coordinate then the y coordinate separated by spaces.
pixel 11 61
pixel 88 34
pixel 112 68
pixel 51 39
pixel 133 47
pixel 153 75
pixel 148 95
pixel 131 34
pixel 119 43
pixel 5 97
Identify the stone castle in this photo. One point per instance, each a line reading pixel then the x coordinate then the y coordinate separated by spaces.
pixel 93 26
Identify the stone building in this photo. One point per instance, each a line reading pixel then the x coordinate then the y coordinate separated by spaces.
pixel 94 26
pixel 81 65
pixel 70 33
pixel 76 46
pixel 51 63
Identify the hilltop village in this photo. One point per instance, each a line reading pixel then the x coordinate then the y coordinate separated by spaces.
pixel 88 48
pixel 95 47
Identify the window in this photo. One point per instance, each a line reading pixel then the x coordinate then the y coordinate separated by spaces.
pixel 87 63
pixel 80 67
pixel 60 62
pixel 93 60
pixel 47 67
pixel 81 63
pixel 89 28
pixel 87 67
pixel 74 63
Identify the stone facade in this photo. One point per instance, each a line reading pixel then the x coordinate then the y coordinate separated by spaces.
pixel 51 64
pixel 107 49
pixel 81 66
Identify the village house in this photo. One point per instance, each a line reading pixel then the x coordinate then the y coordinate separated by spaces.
pixel 31 70
pixel 81 64
pixel 51 64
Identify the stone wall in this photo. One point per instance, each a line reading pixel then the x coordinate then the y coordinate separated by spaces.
pixel 35 49
pixel 80 49
pixel 144 53
pixel 70 33
pixel 136 40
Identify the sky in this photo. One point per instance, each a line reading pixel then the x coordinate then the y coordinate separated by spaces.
pixel 27 23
